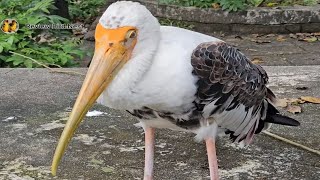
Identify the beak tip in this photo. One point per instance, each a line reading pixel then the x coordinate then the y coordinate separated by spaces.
pixel 53 170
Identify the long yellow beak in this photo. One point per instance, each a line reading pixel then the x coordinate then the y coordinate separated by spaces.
pixel 104 66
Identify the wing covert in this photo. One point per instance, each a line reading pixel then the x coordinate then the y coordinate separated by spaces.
pixel 230 88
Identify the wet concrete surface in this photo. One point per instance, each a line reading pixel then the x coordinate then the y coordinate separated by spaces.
pixel 34 106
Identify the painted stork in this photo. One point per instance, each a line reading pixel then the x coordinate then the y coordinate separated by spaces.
pixel 173 78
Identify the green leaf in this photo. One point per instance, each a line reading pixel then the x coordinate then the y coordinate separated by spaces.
pixel 44 9
pixel 3 58
pixel 28 63
pixel 35 19
pixel 22 44
pixel 310 2
pixel 271 4
pixel 64 61
pixel 49 59
pixel 310 39
pixel 256 3
pixel 17 62
pixel 6 46
pixel 77 52
pixel 10 40
pixel 39 5
pixel 57 19
pixel 66 48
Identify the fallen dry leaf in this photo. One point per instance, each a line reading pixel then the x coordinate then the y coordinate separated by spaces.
pixel 316 34
pixel 257 61
pixel 281 102
pixel 310 39
pixel 238 37
pixel 293 109
pixel 295 101
pixel 288 101
pixel 280 38
pixel 260 41
pixel 44 37
pixel 303 34
pixel 252 50
pixel 270 35
pixel 256 35
pixel 216 5
pixel 292 36
pixel 311 99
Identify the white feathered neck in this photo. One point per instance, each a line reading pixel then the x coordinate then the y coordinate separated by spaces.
pixel 127 13
pixel 159 75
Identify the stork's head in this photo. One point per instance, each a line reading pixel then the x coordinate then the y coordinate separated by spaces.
pixel 125 31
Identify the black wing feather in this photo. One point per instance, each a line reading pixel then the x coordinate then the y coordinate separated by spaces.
pixel 230 73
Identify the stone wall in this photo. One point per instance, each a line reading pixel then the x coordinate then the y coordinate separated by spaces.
pixel 255 20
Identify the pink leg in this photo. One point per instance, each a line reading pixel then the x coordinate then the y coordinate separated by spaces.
pixel 212 158
pixel 149 152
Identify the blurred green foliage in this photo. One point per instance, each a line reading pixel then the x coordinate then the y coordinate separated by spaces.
pixel 238 5
pixel 85 11
pixel 50 47
pixel 229 5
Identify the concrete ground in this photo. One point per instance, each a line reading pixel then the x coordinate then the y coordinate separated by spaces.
pixel 34 106
pixel 278 50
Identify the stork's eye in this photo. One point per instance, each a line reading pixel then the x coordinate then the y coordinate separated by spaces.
pixel 131 34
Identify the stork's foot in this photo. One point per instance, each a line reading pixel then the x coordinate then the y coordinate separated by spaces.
pixel 212 158
pixel 149 153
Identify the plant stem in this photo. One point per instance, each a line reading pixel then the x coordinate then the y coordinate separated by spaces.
pixel 291 142
pixel 47 67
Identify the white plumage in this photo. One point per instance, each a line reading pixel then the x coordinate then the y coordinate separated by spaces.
pixel 162 78
pixel 159 78
pixel 165 81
